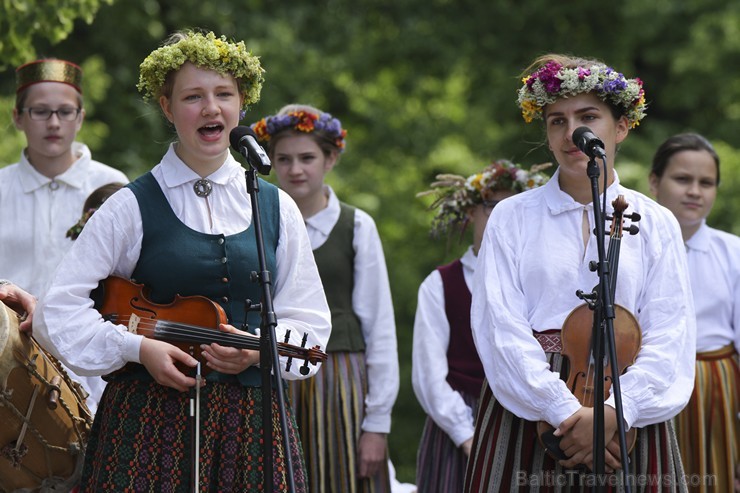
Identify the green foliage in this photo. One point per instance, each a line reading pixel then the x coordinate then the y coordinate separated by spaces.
pixel 423 87
pixel 22 22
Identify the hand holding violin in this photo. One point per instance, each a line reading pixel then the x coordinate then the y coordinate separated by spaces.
pixel 229 359
pixel 159 358
pixel 577 438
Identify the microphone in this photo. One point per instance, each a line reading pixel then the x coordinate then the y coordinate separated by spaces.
pixel 588 143
pixel 244 141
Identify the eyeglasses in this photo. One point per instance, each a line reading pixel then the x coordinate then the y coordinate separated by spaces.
pixel 488 205
pixel 65 114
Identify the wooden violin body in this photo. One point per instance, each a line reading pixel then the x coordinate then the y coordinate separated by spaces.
pixel 576 340
pixel 186 322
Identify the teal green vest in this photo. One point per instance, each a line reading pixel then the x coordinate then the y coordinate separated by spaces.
pixel 178 260
pixel 336 262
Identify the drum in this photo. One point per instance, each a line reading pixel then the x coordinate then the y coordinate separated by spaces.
pixel 45 421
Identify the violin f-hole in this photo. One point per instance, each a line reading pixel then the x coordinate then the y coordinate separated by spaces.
pixel 133 304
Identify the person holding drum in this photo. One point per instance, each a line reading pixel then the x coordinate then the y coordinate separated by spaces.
pixel 186 228
pixel 20 301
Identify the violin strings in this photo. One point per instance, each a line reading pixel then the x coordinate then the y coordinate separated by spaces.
pixel 198 334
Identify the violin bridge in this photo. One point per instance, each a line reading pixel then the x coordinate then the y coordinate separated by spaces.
pixel 133 323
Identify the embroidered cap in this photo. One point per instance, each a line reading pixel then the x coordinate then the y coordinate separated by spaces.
pixel 48 70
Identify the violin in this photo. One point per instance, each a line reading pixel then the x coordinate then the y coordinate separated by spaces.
pixel 577 346
pixel 187 322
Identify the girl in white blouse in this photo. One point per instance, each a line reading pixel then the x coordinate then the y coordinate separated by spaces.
pixel 344 414
pixel 446 373
pixel 535 254
pixel 186 228
pixel 685 178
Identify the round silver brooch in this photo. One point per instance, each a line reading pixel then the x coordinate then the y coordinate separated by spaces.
pixel 202 188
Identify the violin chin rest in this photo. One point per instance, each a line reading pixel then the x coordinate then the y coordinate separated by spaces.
pixel 552 444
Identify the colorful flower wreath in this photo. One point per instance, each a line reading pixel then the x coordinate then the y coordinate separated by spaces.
pixel 303 121
pixel 554 81
pixel 455 194
pixel 203 50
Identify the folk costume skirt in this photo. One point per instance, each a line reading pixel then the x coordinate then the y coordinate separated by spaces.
pixel 507 456
pixel 709 427
pixel 329 409
pixel 440 464
pixel 142 436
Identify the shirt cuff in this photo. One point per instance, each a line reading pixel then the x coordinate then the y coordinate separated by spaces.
pixel 460 435
pixel 131 347
pixel 376 424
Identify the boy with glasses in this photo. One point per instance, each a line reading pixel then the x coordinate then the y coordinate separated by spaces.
pixel 41 195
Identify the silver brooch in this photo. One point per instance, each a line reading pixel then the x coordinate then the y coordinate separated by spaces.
pixel 202 187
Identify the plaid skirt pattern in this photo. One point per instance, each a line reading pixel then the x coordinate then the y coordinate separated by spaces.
pixel 142 441
pixel 440 464
pixel 329 409
pixel 507 456
pixel 708 428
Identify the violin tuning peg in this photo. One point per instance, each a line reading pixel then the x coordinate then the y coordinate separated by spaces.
pixel 304 368
pixel 633 229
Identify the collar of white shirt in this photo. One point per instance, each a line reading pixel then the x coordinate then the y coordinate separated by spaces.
pixel 700 240
pixel 177 173
pixel 75 176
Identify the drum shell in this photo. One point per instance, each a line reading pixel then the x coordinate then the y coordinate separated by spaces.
pixel 54 439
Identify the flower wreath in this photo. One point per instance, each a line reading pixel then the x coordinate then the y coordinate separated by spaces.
pixel 203 50
pixel 554 81
pixel 455 194
pixel 303 121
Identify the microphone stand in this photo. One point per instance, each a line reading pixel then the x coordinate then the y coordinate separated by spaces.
pixel 268 349
pixel 603 326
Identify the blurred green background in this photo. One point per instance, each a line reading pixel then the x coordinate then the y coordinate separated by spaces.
pixel 422 86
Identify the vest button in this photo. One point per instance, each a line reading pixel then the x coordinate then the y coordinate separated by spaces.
pixel 225 299
pixel 224 280
pixel 220 241
pixel 223 260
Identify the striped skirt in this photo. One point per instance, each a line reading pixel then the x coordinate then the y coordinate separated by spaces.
pixel 440 464
pixel 329 409
pixel 507 456
pixel 142 438
pixel 708 428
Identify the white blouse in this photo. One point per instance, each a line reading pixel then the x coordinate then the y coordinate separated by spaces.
pixel 37 211
pixel 371 301
pixel 429 367
pixel 110 244
pixel 714 268
pixel 530 265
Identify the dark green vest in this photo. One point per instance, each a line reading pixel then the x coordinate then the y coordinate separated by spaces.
pixel 336 262
pixel 178 260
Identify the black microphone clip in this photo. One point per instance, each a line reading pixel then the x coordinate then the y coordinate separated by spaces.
pixel 244 141
pixel 588 143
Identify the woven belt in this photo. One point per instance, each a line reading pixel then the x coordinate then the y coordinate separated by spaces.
pixel 721 353
pixel 550 341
